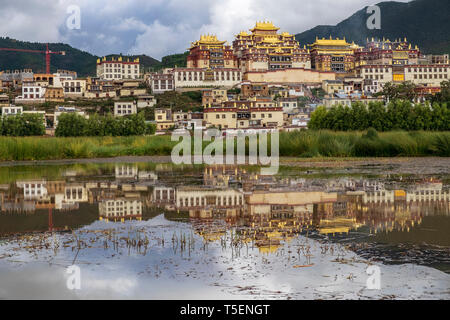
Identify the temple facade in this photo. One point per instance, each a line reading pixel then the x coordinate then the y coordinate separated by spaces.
pixel 336 55
pixel 385 52
pixel 265 49
pixel 210 53
pixel 397 61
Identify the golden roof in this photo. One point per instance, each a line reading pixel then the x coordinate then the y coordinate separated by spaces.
pixel 208 40
pixel 264 25
pixel 331 42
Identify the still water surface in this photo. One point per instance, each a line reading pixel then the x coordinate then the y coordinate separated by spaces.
pixel 141 230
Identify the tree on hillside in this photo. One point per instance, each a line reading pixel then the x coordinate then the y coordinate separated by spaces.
pixel 22 125
pixel 397 115
pixel 71 125
pixel 318 118
pixel 444 95
pixel 404 91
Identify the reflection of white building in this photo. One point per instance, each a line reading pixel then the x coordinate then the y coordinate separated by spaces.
pixel 163 195
pixel 148 176
pixel 126 171
pixel 341 184
pixel 33 189
pixel 379 196
pixel 62 204
pixel 284 201
pixel 120 208
pixel 372 185
pixel 75 193
pixel 431 191
pixel 190 197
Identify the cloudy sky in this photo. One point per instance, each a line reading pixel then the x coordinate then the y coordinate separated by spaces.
pixel 160 27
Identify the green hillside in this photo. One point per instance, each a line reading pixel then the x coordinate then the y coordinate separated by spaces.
pixel 76 60
pixel 179 60
pixel 424 22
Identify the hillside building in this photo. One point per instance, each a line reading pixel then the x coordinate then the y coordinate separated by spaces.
pixel 265 49
pixel 124 108
pixel 336 55
pixel 118 68
pixel 214 96
pixel 210 53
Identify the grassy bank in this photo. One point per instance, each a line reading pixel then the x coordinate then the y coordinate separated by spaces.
pixel 305 144
pixel 364 144
pixel 39 148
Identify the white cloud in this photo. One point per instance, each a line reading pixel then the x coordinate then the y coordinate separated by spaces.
pixel 161 27
pixel 130 24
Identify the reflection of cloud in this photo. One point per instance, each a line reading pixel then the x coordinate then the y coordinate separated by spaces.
pixel 34 282
pixel 212 274
pixel 157 27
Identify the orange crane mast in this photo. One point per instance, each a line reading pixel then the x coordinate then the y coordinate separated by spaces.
pixel 47 54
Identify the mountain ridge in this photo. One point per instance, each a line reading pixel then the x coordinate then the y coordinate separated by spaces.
pixel 423 22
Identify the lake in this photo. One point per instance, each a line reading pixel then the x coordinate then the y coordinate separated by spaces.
pixel 159 231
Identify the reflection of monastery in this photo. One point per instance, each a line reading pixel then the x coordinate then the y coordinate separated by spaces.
pixel 267 210
pixel 119 198
pixel 121 208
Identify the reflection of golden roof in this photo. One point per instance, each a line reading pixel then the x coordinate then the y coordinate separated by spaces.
pixel 212 236
pixel 274 235
pixel 402 216
pixel 266 249
pixel 338 225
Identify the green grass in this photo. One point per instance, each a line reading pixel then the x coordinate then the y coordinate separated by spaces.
pixel 303 144
pixel 308 144
pixel 39 148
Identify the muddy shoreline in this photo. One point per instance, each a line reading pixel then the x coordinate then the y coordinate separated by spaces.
pixel 424 165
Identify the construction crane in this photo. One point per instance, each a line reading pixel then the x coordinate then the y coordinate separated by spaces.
pixel 47 54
